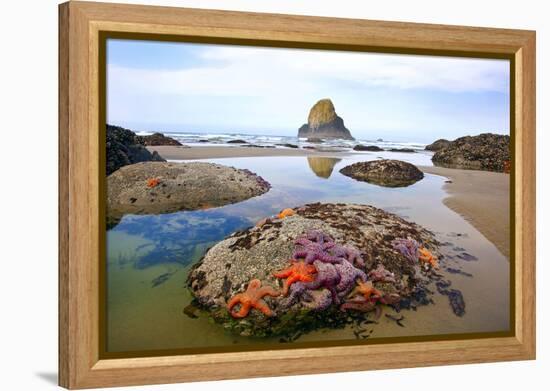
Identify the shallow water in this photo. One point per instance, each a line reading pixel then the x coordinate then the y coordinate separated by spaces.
pixel 148 258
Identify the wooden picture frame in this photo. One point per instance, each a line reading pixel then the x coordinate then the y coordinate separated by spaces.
pixel 80 170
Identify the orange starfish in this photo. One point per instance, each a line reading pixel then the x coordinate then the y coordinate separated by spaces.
pixel 285 213
pixel 252 298
pixel 425 256
pixel 297 271
pixel 152 182
pixel 366 289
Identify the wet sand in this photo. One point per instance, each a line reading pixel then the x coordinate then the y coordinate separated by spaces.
pixel 480 197
pixel 483 199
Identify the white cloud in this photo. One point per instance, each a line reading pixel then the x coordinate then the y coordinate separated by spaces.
pixel 261 72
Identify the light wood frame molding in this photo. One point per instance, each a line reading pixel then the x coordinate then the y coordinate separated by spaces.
pixel 80 24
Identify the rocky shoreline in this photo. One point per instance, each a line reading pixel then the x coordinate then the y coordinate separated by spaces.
pixel 487 151
pixel 124 147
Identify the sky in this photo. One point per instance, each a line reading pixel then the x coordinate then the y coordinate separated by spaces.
pixel 205 88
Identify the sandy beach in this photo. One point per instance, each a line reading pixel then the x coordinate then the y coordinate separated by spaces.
pixel 478 196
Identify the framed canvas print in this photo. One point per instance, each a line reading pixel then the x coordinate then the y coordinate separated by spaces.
pixel 249 195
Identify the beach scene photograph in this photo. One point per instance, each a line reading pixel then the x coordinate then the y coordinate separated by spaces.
pixel 270 198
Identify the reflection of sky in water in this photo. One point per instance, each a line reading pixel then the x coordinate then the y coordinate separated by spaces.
pixel 177 237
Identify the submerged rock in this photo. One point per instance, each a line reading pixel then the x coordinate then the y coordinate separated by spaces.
pixel 124 147
pixel 288 145
pixel 389 173
pixel 372 148
pixel 315 140
pixel 156 139
pixel 437 145
pixel 238 141
pixel 487 151
pixel 323 122
pixel 316 268
pixel 154 187
pixel 407 150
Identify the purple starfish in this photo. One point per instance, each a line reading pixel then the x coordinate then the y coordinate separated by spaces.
pixel 407 247
pixel 327 277
pixel 318 300
pixel 348 277
pixel 381 274
pixel 349 253
pixel 319 237
pixel 312 251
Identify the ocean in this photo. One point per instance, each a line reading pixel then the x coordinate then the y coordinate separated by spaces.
pixel 225 139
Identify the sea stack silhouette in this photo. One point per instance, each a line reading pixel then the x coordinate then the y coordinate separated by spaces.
pixel 324 123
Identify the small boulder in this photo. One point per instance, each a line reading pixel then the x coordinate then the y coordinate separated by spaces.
pixel 389 173
pixel 157 139
pixel 238 141
pixel 437 145
pixel 406 150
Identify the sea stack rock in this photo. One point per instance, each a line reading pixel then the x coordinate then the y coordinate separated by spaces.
pixel 323 123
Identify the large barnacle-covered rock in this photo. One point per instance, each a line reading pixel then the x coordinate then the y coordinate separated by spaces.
pixel 316 260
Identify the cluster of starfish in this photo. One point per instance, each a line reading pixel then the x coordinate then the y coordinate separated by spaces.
pixel 320 263
pixel 318 246
pixel 320 274
pixel 412 250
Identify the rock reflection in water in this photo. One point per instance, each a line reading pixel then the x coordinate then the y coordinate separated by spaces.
pixel 322 166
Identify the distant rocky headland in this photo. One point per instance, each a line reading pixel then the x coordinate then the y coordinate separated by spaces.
pixel 487 151
pixel 124 147
pixel 323 122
